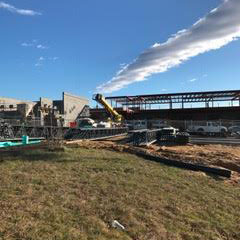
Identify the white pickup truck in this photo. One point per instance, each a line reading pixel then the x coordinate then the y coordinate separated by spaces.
pixel 210 128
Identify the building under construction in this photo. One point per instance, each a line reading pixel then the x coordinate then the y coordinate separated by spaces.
pixel 45 111
pixel 212 105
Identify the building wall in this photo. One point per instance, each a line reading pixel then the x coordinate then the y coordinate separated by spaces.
pixel 69 107
pixel 10 103
pixel 46 102
pixel 73 105
pixel 10 107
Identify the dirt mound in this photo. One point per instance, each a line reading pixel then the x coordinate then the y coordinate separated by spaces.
pixel 211 155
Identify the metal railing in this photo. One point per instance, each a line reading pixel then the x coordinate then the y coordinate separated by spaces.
pixel 94 133
pixel 143 137
pixel 161 136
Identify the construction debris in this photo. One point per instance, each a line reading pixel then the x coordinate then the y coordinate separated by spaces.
pixel 116 224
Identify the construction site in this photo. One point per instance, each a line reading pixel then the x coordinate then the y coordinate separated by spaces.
pixel 149 121
pixel 111 149
pixel 120 120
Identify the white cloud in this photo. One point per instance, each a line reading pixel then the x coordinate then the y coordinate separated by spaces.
pixel 220 27
pixel 26 44
pixel 53 58
pixel 40 46
pixel 38 64
pixel 193 80
pixel 13 9
pixel 34 44
pixel 42 60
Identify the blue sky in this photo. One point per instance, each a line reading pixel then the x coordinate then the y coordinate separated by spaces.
pixel 77 45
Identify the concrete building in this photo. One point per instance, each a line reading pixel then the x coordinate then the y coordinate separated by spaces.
pixel 68 109
pixel 10 104
pixel 14 108
pixel 47 111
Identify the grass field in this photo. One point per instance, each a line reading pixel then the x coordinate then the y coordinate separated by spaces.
pixel 77 193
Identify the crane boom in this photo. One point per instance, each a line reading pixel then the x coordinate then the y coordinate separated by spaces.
pixel 100 99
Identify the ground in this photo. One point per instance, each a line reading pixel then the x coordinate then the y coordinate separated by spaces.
pixel 76 194
pixel 222 156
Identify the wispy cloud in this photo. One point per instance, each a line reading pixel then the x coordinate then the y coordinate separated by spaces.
pixel 34 44
pixel 26 44
pixel 38 64
pixel 193 80
pixel 40 46
pixel 53 58
pixel 220 27
pixel 42 60
pixel 13 9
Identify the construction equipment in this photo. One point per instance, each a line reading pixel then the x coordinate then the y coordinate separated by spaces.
pixel 118 118
pixel 87 128
pixel 172 136
pixel 164 136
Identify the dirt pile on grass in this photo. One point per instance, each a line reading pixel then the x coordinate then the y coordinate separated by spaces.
pixel 212 155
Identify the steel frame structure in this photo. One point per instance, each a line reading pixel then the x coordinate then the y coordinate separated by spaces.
pixel 179 98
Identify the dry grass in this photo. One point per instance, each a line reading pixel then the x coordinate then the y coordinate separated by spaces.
pixel 77 193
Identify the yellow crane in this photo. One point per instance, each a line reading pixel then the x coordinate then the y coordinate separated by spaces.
pixel 101 99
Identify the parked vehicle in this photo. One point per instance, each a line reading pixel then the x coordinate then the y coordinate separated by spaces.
pixel 210 128
pixel 90 123
pixel 171 135
pixel 234 129
pixel 139 124
pixel 169 131
pixel 156 124
pixel 86 123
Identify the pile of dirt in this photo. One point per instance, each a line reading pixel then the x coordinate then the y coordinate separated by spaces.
pixel 210 155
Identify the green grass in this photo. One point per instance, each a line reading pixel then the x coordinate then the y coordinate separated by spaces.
pixel 77 193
